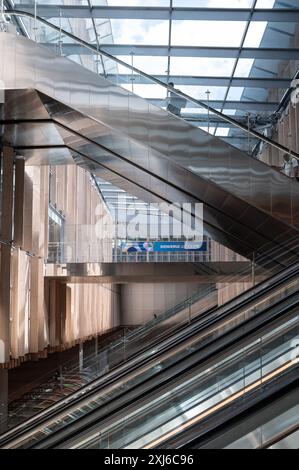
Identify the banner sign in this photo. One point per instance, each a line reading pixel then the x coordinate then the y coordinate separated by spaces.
pixel 133 247
pixel 162 247
pixel 180 246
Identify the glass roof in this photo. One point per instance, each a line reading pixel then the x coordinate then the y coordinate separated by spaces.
pixel 177 45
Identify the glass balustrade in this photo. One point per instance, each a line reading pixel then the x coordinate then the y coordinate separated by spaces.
pixel 228 381
pixel 123 351
pixel 284 427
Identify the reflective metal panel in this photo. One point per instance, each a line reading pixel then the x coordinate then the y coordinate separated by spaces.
pixel 37 67
pixel 27 126
pixel 157 152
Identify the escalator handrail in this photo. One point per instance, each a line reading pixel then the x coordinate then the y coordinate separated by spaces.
pixel 233 340
pixel 94 386
pixel 235 416
pixel 233 305
pixel 179 93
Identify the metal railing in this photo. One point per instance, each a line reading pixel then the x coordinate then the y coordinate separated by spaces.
pixel 90 251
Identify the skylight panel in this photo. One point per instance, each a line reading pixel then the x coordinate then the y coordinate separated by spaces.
pixel 211 130
pixel 140 32
pixel 104 32
pixel 213 3
pixel 47 2
pixel 195 111
pixel 244 67
pixel 136 3
pixel 235 93
pixel 265 4
pixel 222 131
pixel 199 92
pixel 255 33
pixel 201 66
pixel 147 91
pixel 148 64
pixel 207 33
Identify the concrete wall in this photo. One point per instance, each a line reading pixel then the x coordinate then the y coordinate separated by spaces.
pixel 139 302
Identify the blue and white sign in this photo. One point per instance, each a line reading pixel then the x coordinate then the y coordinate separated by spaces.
pixel 158 247
pixel 180 246
pixel 137 247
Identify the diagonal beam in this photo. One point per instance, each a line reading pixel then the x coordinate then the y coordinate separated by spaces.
pixel 162 13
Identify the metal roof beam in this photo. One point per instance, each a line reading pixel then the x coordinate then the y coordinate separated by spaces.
pixel 248 82
pixel 162 13
pixel 186 51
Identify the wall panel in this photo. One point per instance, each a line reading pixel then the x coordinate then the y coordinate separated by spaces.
pixel 46 315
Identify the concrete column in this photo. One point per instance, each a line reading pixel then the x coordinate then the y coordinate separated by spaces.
pixel 3 399
pixel 5 268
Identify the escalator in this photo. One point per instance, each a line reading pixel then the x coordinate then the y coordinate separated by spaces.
pixel 51 388
pixel 270 425
pixel 167 365
pixel 256 368
pixel 198 373
pixel 248 206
